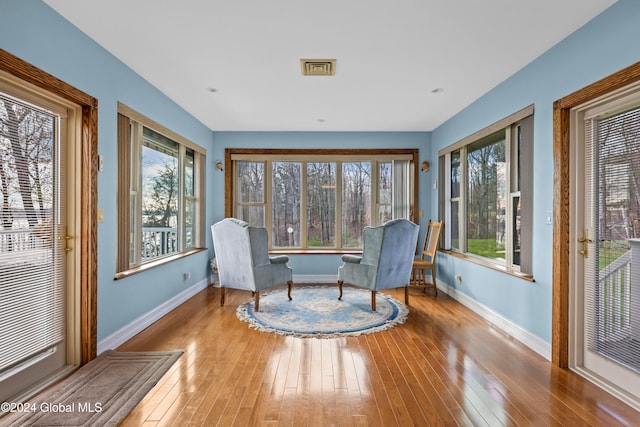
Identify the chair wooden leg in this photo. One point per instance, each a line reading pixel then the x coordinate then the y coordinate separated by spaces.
pixel 221 297
pixel 340 282
pixel 406 295
pixel 424 280
pixel 418 277
pixel 257 303
pixel 433 277
pixel 373 300
pixel 290 284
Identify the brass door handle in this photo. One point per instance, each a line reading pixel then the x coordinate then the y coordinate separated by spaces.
pixel 585 240
pixel 66 238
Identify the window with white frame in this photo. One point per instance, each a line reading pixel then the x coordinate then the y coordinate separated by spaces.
pixel 486 199
pixel 320 199
pixel 160 193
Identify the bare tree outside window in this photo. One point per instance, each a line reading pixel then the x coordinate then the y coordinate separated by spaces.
pixel 319 200
pixel 619 152
pixel 26 173
pixel 285 220
pixel 189 198
pixel 487 197
pixel 356 202
pixel 321 204
pixel 487 193
pixel 612 214
pixel 250 192
pixel 455 179
pixel 160 191
pixel 385 191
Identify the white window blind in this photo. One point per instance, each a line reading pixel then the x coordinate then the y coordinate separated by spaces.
pixel 32 257
pixel 612 280
pixel 401 189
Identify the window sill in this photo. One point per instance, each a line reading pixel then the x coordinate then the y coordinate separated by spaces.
pixel 314 251
pixel 156 263
pixel 496 267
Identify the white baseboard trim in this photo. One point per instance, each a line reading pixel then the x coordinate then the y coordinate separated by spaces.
pixel 315 278
pixel 138 325
pixel 532 341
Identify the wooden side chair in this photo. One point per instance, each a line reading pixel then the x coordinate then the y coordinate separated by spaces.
pixel 427 259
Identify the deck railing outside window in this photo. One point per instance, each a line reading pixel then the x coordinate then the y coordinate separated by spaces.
pixel 158 242
pixel 615 304
pixel 18 240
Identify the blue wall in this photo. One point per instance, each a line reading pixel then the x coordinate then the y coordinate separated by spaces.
pixel 48 41
pixel 37 34
pixel 603 46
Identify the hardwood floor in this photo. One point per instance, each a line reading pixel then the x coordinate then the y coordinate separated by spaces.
pixel 444 366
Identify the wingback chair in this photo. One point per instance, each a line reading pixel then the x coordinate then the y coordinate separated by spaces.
pixel 243 259
pixel 386 259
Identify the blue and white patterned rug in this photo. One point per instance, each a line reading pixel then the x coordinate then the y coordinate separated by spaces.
pixel 316 312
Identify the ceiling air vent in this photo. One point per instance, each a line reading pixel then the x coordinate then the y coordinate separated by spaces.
pixel 318 67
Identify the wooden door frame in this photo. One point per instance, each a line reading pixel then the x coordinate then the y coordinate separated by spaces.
pixel 562 202
pixel 88 242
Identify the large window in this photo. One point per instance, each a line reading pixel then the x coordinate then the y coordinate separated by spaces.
pixel 320 199
pixel 486 199
pixel 160 193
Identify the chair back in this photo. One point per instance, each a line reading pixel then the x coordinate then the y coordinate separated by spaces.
pixel 396 253
pixel 234 253
pixel 431 239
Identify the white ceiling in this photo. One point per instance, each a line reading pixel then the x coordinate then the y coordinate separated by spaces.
pixel 391 55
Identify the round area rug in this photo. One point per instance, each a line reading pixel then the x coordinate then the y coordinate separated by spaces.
pixel 315 311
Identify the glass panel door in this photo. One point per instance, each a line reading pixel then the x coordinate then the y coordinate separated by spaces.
pixel 33 245
pixel 608 246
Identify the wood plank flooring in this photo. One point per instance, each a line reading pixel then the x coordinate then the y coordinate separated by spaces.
pixel 444 366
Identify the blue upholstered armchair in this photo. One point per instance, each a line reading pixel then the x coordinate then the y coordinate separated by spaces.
pixel 243 259
pixel 386 259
